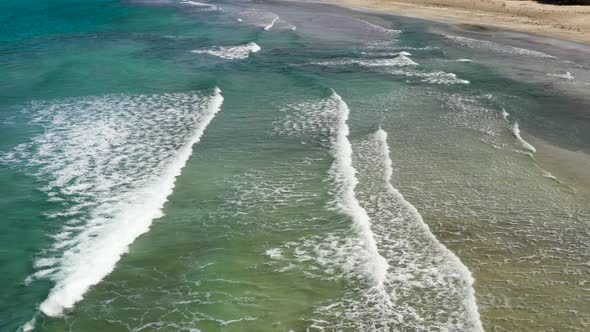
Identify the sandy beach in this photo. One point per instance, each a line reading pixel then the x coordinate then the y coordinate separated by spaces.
pixel 570 23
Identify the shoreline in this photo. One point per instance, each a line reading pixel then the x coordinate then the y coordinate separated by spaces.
pixel 565 23
pixel 569 166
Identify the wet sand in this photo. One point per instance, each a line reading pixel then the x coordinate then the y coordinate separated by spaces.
pixel 571 23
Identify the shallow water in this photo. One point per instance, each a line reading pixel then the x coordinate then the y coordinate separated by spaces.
pixel 172 166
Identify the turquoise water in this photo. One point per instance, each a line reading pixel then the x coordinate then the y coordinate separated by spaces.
pixel 236 166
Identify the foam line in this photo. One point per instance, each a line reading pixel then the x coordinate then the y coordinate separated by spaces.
pixel 116 221
pixel 231 52
pixel 272 23
pixel 500 48
pixel 505 115
pixel 523 143
pixel 381 29
pixel 470 302
pixel 399 273
pixel 344 175
pixel 400 61
pixel 437 77
pixel 201 5
pixel 567 76
pixel 260 18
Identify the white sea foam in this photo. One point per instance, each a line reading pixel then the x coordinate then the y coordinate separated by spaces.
pixel 440 77
pixel 29 326
pixel 424 48
pixel 387 53
pixel 231 52
pixel 274 253
pixel 260 18
pixel 505 115
pixel 264 19
pixel 377 28
pixel 409 245
pixel 400 61
pixel 113 160
pixel 344 176
pixel 472 113
pixel 506 49
pixel 437 77
pixel 282 25
pixel 326 121
pixel 270 25
pixel 201 5
pixel 464 60
pixel 548 175
pixel 399 277
pixel 425 288
pixel 567 76
pixel 523 143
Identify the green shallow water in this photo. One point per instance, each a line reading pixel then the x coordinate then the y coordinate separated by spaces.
pixel 259 232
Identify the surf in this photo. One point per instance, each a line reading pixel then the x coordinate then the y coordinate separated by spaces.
pixel 437 77
pixel 526 145
pixel 380 29
pixel 260 18
pixel 425 287
pixel 113 160
pixel 343 175
pixel 231 52
pixel 396 271
pixel 500 48
pixel 205 6
pixel 401 60
pixel 392 211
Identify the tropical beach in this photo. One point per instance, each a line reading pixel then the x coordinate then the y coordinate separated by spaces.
pixel 294 166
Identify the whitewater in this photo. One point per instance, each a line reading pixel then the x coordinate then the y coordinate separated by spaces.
pixel 119 164
pixel 231 52
pixel 343 175
pixel 406 272
pixel 359 171
pixel 410 246
pixel 526 145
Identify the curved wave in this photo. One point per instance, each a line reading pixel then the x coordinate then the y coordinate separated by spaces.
pixel 231 52
pixel 112 161
pixel 398 276
pixel 523 143
pixel 343 175
pixel 201 5
pixel 484 44
pixel 401 60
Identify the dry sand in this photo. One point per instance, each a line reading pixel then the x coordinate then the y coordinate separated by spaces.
pixel 571 23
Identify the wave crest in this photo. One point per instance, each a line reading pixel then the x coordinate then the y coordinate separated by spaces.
pixel 112 161
pixel 231 52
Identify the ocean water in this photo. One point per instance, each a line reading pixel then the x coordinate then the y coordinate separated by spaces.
pixel 276 166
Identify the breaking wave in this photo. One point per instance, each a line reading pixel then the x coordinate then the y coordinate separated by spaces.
pixel 200 5
pixel 401 60
pixel 231 52
pixel 112 162
pixel 567 76
pixel 488 45
pixel 263 19
pixel 398 276
pixel 437 77
pixel 523 143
